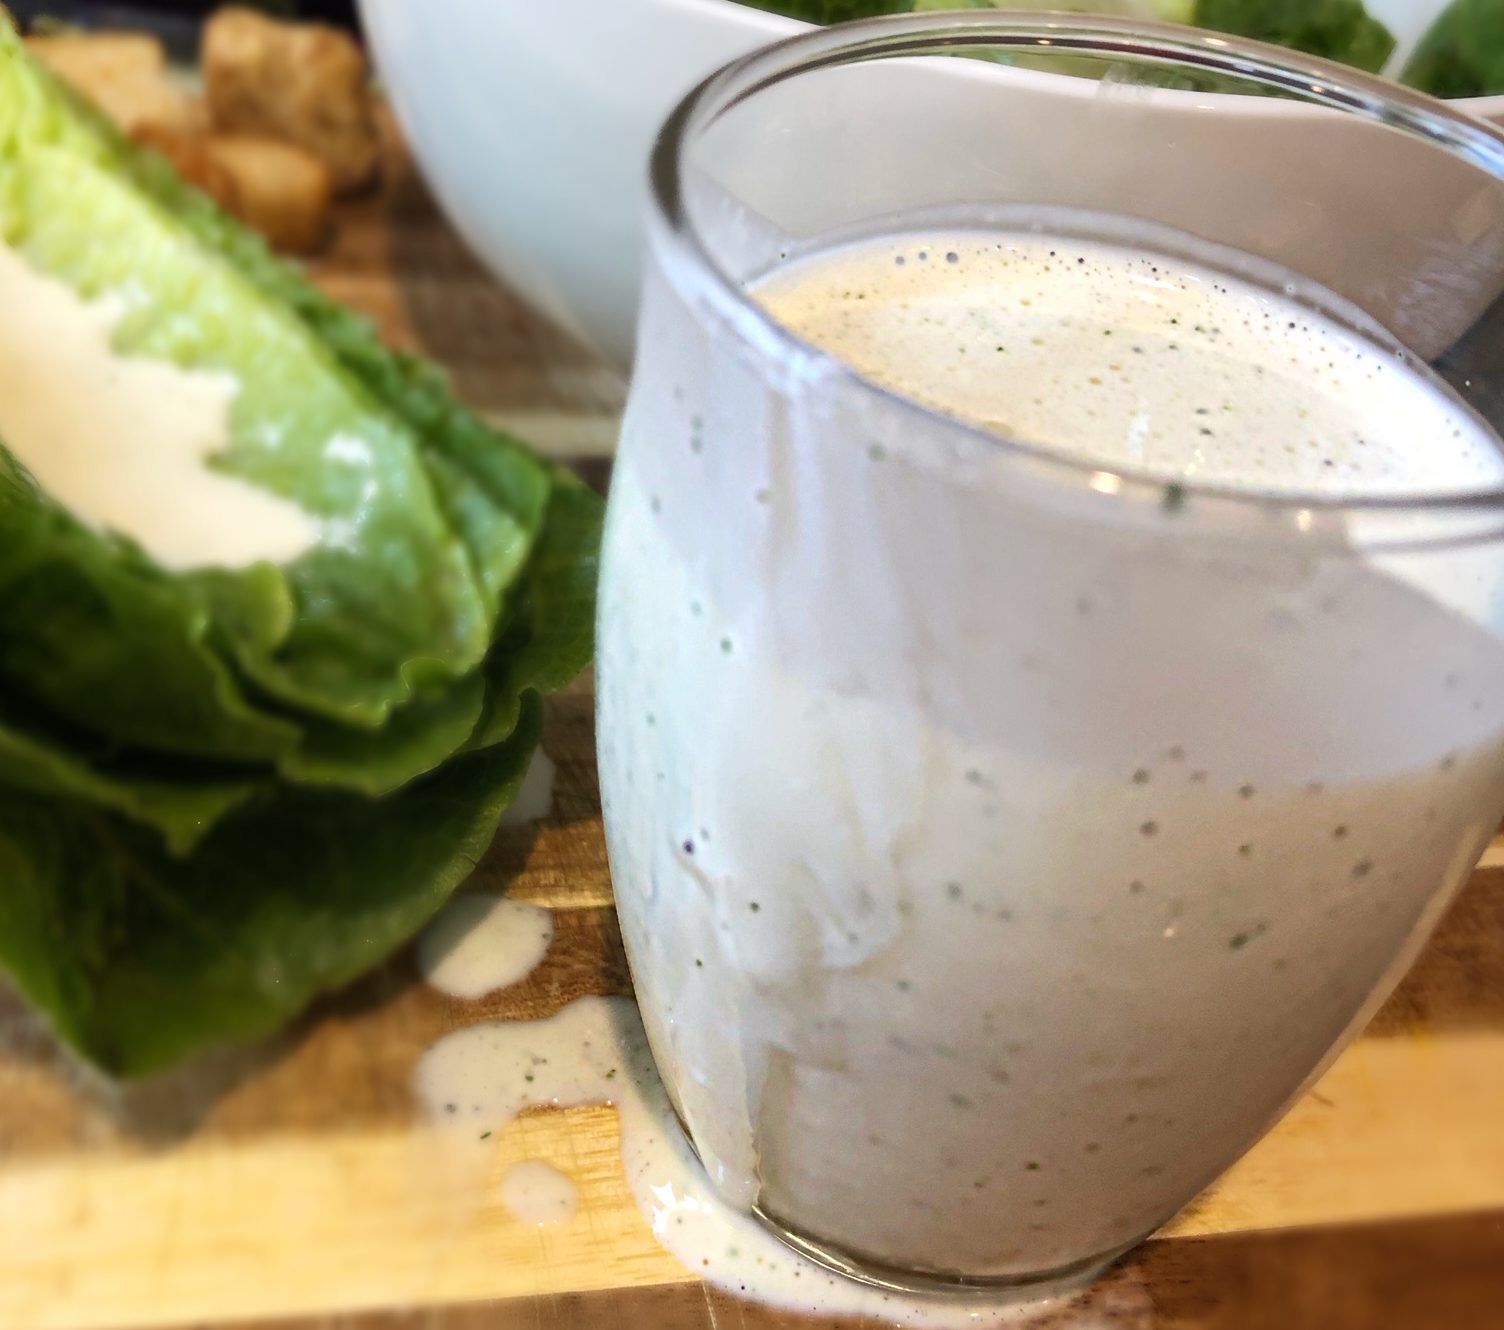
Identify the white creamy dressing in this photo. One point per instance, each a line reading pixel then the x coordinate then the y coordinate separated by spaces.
pixel 991 876
pixel 125 442
pixel 535 797
pixel 478 943
pixel 479 1079
pixel 537 1193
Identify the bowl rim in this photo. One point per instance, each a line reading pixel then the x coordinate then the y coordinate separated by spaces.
pixel 1489 106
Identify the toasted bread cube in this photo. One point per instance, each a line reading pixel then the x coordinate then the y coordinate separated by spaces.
pixel 304 82
pixel 280 190
pixel 190 154
pixel 123 73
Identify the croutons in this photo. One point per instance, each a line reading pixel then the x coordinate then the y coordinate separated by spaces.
pixel 303 82
pixel 189 153
pixel 280 190
pixel 288 121
pixel 124 73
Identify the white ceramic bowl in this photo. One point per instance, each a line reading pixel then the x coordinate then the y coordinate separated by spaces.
pixel 533 119
pixel 533 123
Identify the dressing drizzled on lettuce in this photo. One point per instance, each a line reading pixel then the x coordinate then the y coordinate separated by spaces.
pixel 225 789
pixel 1459 51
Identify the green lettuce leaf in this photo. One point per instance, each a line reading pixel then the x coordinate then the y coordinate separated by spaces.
pixel 416 738
pixel 359 626
pixel 138 959
pixel 514 479
pixel 468 458
pixel 226 791
pixel 552 626
pixel 550 637
pixel 385 605
pixel 490 490
pixel 36 758
pixel 1462 53
pixel 103 637
pixel 112 646
pixel 495 491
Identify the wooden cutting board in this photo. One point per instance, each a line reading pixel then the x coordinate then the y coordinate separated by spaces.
pixel 295 1184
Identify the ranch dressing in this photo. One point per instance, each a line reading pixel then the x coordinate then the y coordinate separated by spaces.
pixel 994 874
pixel 126 443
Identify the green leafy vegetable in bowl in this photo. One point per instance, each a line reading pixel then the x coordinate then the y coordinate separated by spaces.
pixel 1461 54
pixel 229 784
pixel 1338 29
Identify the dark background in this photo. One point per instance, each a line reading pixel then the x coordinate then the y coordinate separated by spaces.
pixel 175 21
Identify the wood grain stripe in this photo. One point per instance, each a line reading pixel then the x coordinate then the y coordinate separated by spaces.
pixel 1441 1274
pixel 234 1224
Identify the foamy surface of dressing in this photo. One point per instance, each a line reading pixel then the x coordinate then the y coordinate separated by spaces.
pixel 124 442
pixel 1120 357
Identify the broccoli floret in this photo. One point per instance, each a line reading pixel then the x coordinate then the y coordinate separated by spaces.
pixel 1338 29
pixel 1462 54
